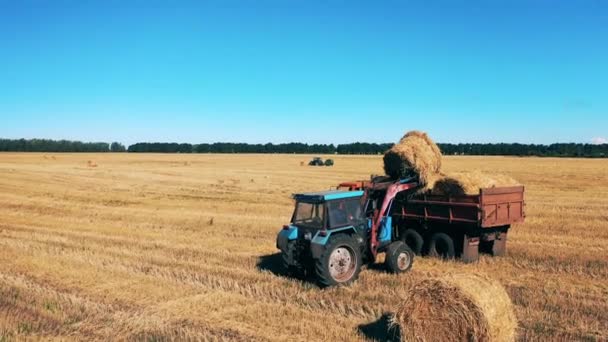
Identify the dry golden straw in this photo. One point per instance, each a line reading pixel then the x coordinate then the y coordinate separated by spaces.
pixel 414 152
pixel 125 251
pixel 466 183
pixel 456 307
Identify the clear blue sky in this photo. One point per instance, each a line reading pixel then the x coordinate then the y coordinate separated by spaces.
pixel 317 72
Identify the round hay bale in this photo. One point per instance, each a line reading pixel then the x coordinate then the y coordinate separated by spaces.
pixel 466 183
pixel 456 307
pixel 416 153
pixel 426 138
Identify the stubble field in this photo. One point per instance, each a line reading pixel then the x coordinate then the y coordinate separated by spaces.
pixel 160 247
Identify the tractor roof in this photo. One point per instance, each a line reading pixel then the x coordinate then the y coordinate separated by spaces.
pixel 326 195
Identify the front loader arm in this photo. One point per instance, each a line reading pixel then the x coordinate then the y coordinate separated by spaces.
pixel 391 192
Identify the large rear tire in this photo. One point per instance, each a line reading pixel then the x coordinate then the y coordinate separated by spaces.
pixel 292 262
pixel 441 245
pixel 413 240
pixel 340 262
pixel 399 257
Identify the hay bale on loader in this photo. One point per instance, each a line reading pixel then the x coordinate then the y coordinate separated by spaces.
pixel 416 153
pixel 456 307
pixel 465 183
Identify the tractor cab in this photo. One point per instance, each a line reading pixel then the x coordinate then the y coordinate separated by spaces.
pixel 327 210
pixel 332 233
pixel 317 218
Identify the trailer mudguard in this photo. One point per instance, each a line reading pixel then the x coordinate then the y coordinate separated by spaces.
pixel 286 235
pixel 318 242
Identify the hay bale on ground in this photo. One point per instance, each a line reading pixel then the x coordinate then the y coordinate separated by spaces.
pixel 466 183
pixel 457 307
pixel 416 153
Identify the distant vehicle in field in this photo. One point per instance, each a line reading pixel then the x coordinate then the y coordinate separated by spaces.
pixel 317 161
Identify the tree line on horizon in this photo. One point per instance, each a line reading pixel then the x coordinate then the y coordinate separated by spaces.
pixel 507 149
pixel 49 145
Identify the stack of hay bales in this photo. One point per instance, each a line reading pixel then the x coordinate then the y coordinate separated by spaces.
pixel 417 154
pixel 456 307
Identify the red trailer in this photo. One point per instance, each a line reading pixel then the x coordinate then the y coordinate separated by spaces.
pixel 452 226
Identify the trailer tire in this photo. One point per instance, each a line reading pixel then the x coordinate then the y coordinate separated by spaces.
pixel 441 245
pixel 399 257
pixel 329 269
pixel 413 240
pixel 294 269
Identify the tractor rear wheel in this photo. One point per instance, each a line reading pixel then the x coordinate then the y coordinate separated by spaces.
pixel 291 261
pixel 340 262
pixel 399 257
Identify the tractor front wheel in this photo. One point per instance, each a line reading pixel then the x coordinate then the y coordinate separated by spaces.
pixel 340 262
pixel 399 257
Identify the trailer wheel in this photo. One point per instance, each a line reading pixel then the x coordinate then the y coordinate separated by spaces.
pixel 399 257
pixel 340 262
pixel 294 268
pixel 441 245
pixel 413 240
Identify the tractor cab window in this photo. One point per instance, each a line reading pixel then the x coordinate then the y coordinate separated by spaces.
pixel 309 214
pixel 344 212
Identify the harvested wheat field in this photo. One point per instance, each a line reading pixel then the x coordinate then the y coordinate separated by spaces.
pixel 160 247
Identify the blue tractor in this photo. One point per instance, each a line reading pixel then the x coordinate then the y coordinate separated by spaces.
pixel 333 233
